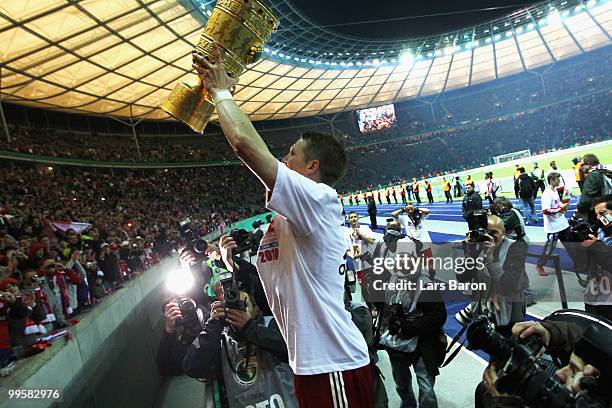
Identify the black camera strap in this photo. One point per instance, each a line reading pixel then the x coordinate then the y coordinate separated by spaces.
pixel 455 340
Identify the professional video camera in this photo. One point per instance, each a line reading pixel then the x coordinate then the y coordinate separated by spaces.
pixel 231 293
pixel 520 371
pixel 478 234
pixel 580 230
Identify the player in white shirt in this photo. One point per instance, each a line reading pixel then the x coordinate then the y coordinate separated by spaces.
pixel 561 187
pixel 300 258
pixel 411 219
pixel 357 236
pixel 556 225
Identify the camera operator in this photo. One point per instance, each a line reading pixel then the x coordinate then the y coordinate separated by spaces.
pixel 503 272
pixel 585 349
pixel 598 296
pixel 410 322
pixel 471 202
pixel 239 350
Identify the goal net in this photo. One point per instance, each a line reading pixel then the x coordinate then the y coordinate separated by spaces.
pixel 508 157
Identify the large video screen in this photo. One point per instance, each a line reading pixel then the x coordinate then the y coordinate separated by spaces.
pixel 375 119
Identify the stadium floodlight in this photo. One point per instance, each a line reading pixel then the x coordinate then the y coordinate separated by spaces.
pixel 497 37
pixel 266 49
pixel 406 57
pixel 519 30
pixel 430 54
pixel 541 21
pixel 530 26
pixel 508 33
pixel 376 61
pixel 488 40
pixel 554 18
pixel 358 63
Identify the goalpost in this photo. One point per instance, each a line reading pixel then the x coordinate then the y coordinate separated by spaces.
pixel 503 158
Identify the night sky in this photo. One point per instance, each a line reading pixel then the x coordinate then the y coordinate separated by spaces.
pixel 326 12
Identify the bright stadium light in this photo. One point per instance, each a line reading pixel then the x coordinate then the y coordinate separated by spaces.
pixel 359 63
pixel 376 61
pixel 519 30
pixel 554 18
pixel 508 33
pixel 497 37
pixel 530 26
pixel 488 40
pixel 591 3
pixel 406 57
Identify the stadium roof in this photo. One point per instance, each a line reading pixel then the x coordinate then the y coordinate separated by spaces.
pixel 122 57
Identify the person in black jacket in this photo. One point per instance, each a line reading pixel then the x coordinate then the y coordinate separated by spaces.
pixel 372 212
pixel 526 193
pixel 471 202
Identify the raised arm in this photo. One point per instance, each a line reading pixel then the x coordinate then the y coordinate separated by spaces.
pixel 238 129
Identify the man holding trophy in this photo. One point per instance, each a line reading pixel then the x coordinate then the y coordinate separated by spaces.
pixel 300 260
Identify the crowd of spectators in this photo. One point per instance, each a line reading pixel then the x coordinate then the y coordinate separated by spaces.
pixel 69 236
pixel 581 121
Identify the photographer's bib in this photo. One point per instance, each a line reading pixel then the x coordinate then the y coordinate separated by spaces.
pixel 256 378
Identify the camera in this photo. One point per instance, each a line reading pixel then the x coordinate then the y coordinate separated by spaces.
pixel 245 241
pixel 189 316
pixel 192 243
pixel 231 293
pixel 520 371
pixel 479 218
pixel 395 314
pixel 579 230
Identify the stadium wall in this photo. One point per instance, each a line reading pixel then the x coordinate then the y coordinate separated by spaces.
pixel 110 360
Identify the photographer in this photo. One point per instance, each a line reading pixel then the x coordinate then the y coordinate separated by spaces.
pixel 598 297
pixel 586 350
pixel 411 219
pixel 410 323
pixel 471 202
pixel 503 272
pixel 238 349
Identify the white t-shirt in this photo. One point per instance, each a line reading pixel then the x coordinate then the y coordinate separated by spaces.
pixel 301 266
pixel 418 232
pixel 351 241
pixel 553 222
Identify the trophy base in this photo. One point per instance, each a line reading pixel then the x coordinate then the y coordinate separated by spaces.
pixel 191 105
